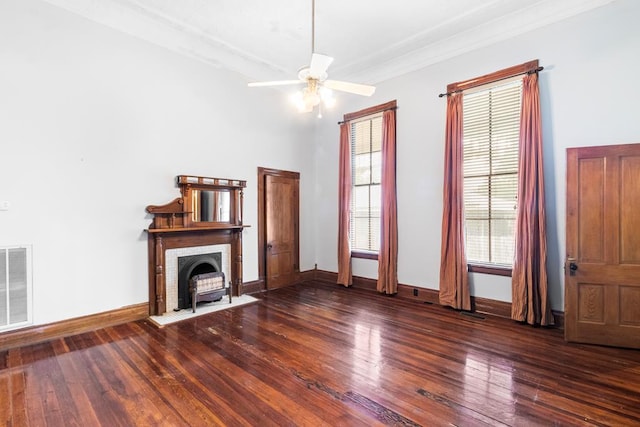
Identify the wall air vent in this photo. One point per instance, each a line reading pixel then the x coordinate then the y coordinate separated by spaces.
pixel 15 287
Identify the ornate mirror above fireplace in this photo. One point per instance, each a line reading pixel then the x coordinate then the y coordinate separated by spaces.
pixel 212 200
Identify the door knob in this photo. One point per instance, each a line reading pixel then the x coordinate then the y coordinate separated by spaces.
pixel 572 266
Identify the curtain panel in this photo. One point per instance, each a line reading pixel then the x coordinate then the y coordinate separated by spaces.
pixel 388 254
pixel 344 207
pixel 454 281
pixel 530 301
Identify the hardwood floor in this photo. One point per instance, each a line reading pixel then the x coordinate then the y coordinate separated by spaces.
pixel 316 354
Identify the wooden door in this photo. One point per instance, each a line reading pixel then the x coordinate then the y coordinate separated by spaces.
pixel 281 210
pixel 602 269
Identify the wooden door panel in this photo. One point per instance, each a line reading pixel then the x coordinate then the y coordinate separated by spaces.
pixel 281 212
pixel 591 210
pixel 630 306
pixel 602 296
pixel 629 215
pixel 280 269
pixel 591 303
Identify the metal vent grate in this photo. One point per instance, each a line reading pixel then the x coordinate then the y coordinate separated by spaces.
pixel 15 287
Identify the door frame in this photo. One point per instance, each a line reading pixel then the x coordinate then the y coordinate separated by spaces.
pixel 262 221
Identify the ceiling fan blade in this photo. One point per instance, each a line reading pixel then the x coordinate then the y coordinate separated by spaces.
pixel 319 65
pixel 356 88
pixel 275 83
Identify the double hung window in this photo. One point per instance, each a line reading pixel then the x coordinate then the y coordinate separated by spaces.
pixel 366 163
pixel 491 131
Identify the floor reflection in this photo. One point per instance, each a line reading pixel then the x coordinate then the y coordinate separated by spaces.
pixel 488 380
pixel 367 355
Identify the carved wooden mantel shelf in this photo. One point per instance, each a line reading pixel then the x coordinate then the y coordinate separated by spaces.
pixel 182 229
pixel 208 213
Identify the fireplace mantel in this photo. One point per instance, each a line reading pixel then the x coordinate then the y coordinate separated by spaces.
pixel 208 213
pixel 205 229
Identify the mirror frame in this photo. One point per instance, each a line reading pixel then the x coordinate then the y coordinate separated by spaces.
pixel 189 183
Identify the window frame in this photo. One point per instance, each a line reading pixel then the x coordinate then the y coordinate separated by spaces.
pixel 488 267
pixel 352 117
pixel 371 119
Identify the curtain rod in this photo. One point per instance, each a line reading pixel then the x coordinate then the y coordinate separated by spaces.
pixel 379 111
pixel 536 70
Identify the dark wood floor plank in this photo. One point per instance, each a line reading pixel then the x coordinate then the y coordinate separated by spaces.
pixel 138 396
pixel 315 354
pixel 16 388
pixel 326 368
pixel 5 404
pixel 74 378
pixel 257 370
pixel 362 361
pixel 163 391
pixel 201 366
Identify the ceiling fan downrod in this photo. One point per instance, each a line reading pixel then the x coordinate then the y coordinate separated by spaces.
pixel 313 26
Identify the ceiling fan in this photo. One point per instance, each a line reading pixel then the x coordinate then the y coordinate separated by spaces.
pixel 318 88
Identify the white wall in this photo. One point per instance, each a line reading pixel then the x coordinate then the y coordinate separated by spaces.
pixel 95 125
pixel 589 94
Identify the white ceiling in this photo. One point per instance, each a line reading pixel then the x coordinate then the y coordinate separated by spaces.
pixel 371 40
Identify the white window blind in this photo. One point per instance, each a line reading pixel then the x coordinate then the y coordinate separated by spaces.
pixel 491 129
pixel 366 164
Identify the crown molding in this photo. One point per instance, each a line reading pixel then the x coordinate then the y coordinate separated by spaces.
pixel 449 39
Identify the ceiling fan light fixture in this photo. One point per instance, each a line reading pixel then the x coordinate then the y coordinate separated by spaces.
pixel 311 97
pixel 305 100
pixel 326 95
pixel 297 99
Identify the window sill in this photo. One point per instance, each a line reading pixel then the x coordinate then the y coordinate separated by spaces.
pixel 364 255
pixel 489 269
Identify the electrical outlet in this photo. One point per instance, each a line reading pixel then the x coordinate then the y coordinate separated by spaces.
pixel 5 205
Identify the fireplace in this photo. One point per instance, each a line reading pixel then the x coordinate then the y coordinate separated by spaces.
pixel 184 263
pixel 182 244
pixel 192 265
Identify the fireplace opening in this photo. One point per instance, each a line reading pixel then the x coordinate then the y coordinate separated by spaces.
pixel 189 266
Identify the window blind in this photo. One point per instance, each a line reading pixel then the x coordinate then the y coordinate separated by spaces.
pixel 366 164
pixel 491 129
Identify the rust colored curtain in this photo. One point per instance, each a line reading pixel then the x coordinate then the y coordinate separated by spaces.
pixel 388 254
pixel 529 275
pixel 344 206
pixel 454 281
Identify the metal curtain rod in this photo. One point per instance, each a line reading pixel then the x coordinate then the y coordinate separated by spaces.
pixel 537 70
pixel 379 111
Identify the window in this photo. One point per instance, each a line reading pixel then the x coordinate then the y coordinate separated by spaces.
pixel 366 163
pixel 491 130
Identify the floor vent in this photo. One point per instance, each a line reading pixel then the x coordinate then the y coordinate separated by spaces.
pixel 15 287
pixel 472 314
